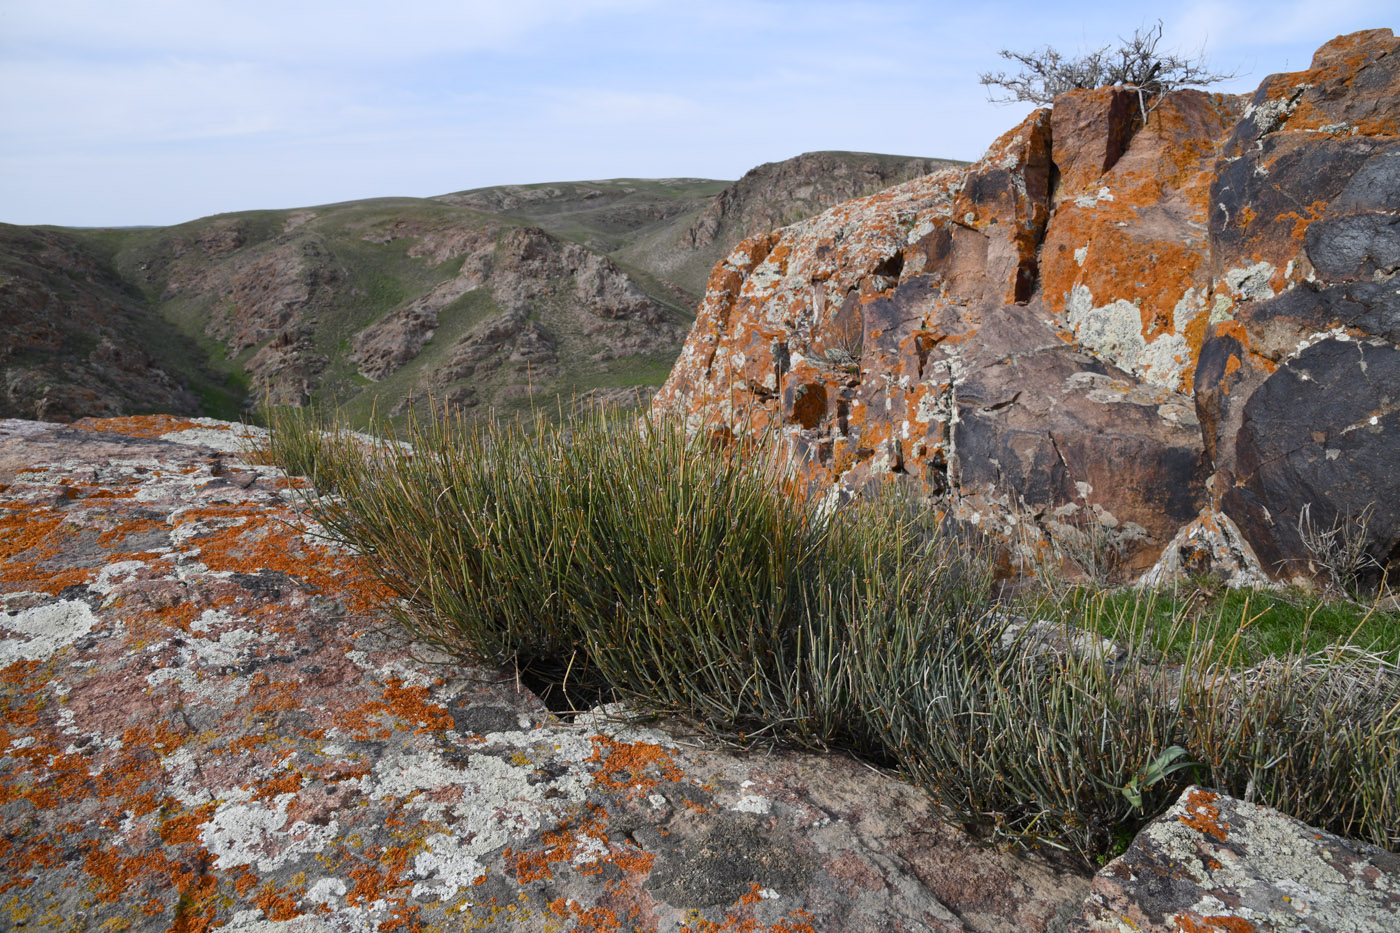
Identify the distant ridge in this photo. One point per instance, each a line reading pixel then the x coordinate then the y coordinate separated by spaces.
pixel 492 299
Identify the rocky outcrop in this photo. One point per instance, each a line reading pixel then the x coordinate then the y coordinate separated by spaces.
pixel 259 286
pixel 1297 377
pixel 385 346
pixel 1213 863
pixel 208 723
pixel 775 194
pixel 1180 332
pixel 892 336
pixel 550 302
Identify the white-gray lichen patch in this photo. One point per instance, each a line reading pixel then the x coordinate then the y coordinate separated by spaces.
pixel 36 634
pixel 1114 332
pixel 1251 283
pixel 244 831
pixel 1221 863
pixel 220 435
pixel 1092 200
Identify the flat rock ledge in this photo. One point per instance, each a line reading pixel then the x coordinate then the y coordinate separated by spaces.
pixel 207 725
pixel 1214 864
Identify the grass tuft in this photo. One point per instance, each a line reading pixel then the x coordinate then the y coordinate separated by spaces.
pixel 624 558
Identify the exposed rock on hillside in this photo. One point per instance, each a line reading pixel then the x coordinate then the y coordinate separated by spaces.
pixel 472 308
pixel 553 297
pixel 206 723
pixel 72 336
pixel 776 194
pixel 1025 338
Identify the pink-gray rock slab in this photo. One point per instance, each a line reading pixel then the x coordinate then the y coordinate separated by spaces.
pixel 1214 864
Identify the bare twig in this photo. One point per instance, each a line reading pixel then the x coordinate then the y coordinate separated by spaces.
pixel 1340 549
pixel 1135 64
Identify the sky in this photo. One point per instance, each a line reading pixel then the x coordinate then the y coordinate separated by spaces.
pixel 153 112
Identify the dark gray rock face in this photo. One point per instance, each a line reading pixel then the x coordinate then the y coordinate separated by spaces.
pixel 1214 864
pixel 1298 393
pixel 1321 433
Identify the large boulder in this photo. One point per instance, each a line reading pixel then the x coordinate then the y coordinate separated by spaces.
pixel 902 335
pixel 1296 384
pixel 1214 863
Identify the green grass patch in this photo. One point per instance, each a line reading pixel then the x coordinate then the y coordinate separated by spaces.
pixel 1257 624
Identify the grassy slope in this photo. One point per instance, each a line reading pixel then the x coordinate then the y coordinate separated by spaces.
pixel 373 278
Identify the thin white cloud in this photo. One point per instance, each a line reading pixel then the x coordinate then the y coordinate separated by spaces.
pixel 64 104
pixel 351 30
pixel 1231 31
pixel 155 111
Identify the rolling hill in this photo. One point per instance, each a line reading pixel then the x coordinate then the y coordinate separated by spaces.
pixel 494 299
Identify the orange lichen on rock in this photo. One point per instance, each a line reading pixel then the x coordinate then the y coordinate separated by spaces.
pixel 275 903
pixel 1301 221
pixel 27 529
pixel 412 705
pixel 588 919
pixel 1194 923
pixel 378 875
pixel 561 845
pixel 627 766
pixel 150 426
pixel 1203 815
pixel 111 537
pixel 246 539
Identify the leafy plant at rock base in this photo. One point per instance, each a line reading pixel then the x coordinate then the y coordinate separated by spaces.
pixel 1154 772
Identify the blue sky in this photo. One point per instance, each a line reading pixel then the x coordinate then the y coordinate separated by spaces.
pixel 160 111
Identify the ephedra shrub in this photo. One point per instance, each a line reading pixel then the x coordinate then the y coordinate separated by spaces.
pixel 629 559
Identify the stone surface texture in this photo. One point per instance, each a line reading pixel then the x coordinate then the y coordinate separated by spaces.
pixel 209 724
pixel 1165 335
pixel 1213 864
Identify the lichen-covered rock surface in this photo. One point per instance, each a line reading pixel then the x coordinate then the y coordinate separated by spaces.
pixel 208 724
pixel 1181 331
pixel 1214 864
